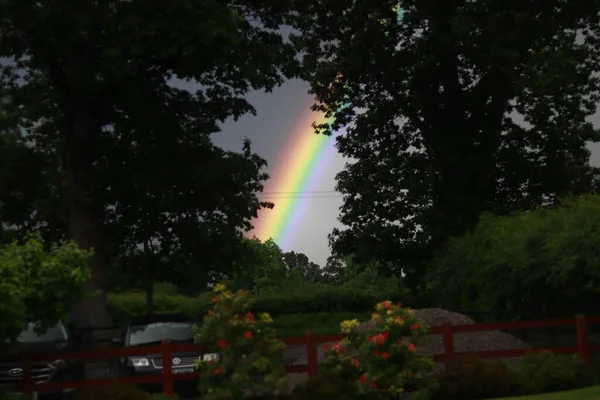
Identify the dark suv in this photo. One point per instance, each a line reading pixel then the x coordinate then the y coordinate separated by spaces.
pixel 149 330
pixel 56 339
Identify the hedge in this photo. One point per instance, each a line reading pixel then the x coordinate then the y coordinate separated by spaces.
pixel 318 300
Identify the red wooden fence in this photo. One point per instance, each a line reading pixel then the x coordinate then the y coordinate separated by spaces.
pixel 311 341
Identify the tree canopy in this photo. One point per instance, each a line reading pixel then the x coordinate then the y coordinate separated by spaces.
pixel 93 78
pixel 39 284
pixel 543 262
pixel 455 109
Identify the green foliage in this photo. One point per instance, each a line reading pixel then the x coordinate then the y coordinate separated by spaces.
pixel 427 104
pixel 115 391
pixel 325 386
pixel 548 372
pixel 542 262
pixel 250 353
pixel 39 284
pixel 381 360
pixel 472 378
pixel 303 298
pixel 101 100
pixel 123 306
pixel 293 325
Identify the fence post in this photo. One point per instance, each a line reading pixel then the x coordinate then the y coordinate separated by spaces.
pixel 448 343
pixel 311 353
pixel 167 357
pixel 27 380
pixel 583 344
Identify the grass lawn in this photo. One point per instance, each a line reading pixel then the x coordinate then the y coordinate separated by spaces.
pixel 592 393
pixel 321 324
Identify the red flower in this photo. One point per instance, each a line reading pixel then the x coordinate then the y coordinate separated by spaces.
pixel 414 327
pixel 386 355
pixel 325 347
pixel 409 375
pixel 376 353
pixel 386 334
pixel 355 362
pixel 379 339
pixel 222 343
pixel 412 347
pixel 337 348
pixel 374 384
pixel 248 334
pixel 363 378
pixel 215 299
pixel 249 317
pixel 387 305
pixel 399 305
pixel 216 371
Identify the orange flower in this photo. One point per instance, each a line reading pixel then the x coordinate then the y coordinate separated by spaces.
pixel 337 348
pixel 386 355
pixel 216 371
pixel 412 347
pixel 414 327
pixel 355 362
pixel 386 305
pixel 249 317
pixel 222 343
pixel 248 334
pixel 363 378
pixel 379 339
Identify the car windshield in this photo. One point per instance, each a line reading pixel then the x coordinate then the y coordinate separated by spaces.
pixel 57 333
pixel 157 331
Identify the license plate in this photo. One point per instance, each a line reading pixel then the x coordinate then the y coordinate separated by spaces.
pixel 183 370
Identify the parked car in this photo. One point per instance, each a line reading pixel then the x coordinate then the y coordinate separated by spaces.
pixel 149 330
pixel 56 339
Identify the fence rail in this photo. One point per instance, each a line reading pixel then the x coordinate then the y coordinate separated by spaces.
pixel 583 349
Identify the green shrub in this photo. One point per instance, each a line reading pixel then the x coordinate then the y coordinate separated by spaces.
pixel 302 300
pixel 116 391
pixel 548 372
pixel 166 288
pixel 123 306
pixel 325 386
pixel 472 378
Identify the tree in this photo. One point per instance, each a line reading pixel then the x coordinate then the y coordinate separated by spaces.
pixel 432 103
pixel 532 264
pixel 300 263
pixel 38 284
pixel 169 226
pixel 78 68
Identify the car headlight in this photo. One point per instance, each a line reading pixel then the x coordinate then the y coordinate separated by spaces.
pixel 140 362
pixel 210 357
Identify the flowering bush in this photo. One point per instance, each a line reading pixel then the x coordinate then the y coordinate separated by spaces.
pixel 251 355
pixel 382 360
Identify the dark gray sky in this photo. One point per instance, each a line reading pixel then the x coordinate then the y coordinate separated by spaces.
pixel 270 131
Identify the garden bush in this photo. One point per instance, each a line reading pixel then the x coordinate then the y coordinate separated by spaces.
pixel 472 378
pixel 548 372
pixel 325 386
pixel 319 299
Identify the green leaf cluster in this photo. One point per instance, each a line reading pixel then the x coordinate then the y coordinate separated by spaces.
pixel 39 284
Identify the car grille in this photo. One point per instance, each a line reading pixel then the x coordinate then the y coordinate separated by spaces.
pixel 13 374
pixel 185 362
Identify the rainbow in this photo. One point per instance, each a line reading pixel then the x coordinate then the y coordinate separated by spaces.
pixel 296 173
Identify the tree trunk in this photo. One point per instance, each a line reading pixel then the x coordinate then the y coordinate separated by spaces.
pixel 148 263
pixel 149 296
pixel 80 141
